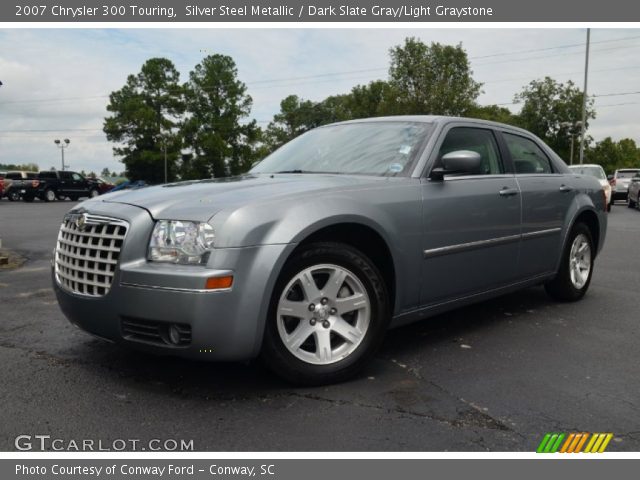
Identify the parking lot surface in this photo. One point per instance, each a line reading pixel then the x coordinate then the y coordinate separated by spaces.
pixel 494 376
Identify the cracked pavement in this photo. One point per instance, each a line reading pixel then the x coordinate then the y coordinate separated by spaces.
pixel 490 377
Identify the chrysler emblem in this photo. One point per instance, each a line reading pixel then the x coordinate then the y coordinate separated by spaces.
pixel 81 222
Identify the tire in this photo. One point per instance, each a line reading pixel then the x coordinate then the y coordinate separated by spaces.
pixel 93 193
pixel 630 203
pixel 568 285
pixel 13 196
pixel 301 360
pixel 49 195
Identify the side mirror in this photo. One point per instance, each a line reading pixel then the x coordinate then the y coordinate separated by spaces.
pixel 609 177
pixel 460 161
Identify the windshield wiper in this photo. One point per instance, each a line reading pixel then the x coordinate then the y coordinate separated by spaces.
pixel 294 171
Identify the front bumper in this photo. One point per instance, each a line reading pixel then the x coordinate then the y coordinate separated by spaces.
pixel 222 324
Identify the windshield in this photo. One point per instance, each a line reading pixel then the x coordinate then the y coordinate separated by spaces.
pixel 593 171
pixel 626 173
pixel 374 148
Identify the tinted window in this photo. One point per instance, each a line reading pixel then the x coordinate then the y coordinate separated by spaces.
pixel 477 140
pixel 14 176
pixel 374 148
pixel 626 173
pixel 527 156
pixel 65 175
pixel 45 175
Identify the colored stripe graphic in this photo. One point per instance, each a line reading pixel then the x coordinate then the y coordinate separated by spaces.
pixel 574 442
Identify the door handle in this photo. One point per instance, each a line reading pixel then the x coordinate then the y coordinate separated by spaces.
pixel 508 192
pixel 565 188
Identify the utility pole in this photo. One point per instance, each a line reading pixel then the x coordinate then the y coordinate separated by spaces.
pixel 584 97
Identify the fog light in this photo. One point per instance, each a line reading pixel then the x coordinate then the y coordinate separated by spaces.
pixel 174 335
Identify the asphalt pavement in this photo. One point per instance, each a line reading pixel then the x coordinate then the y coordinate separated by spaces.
pixel 495 376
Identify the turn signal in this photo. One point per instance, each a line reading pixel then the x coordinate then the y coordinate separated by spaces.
pixel 218 283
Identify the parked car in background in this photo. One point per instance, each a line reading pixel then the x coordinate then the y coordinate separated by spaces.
pixel 633 198
pixel 346 230
pixel 104 186
pixel 52 185
pixel 598 172
pixel 620 183
pixel 17 182
pixel 1 187
pixel 129 185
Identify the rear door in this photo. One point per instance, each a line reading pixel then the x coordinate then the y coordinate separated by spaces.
pixel 546 197
pixel 65 184
pixel 471 222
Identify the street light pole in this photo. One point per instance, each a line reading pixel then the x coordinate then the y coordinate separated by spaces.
pixel 62 145
pixel 584 97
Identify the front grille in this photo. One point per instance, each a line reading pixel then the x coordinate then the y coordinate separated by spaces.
pixel 87 253
pixel 150 331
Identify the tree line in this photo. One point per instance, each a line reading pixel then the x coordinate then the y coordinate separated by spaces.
pixel 203 126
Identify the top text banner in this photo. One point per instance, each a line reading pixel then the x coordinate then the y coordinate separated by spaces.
pixel 81 11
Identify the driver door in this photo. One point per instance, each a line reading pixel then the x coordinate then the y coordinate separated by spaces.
pixel 471 221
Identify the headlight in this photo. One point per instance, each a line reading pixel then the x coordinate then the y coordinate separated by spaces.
pixel 176 241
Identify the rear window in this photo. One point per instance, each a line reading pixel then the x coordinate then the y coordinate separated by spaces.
pixel 592 171
pixel 626 173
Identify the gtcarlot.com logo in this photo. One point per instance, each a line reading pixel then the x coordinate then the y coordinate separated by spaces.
pixel 48 443
pixel 574 442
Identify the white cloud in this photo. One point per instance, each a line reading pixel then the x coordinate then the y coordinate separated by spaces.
pixel 43 66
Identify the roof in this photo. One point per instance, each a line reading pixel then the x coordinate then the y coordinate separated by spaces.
pixel 437 119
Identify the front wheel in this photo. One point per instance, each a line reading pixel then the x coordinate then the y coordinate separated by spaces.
pixel 13 196
pixel 94 193
pixel 576 268
pixel 328 314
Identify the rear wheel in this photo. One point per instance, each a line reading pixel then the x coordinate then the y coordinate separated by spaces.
pixel 576 267
pixel 328 314
pixel 630 202
pixel 13 196
pixel 49 195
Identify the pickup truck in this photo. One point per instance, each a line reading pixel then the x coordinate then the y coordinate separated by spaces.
pixel 16 181
pixel 52 185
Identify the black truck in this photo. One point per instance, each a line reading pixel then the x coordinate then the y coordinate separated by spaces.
pixel 52 185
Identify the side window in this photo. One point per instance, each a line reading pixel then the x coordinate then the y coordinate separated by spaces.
pixel 77 177
pixel 527 156
pixel 478 140
pixel 65 176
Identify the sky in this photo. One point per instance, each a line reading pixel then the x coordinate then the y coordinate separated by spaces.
pixel 56 81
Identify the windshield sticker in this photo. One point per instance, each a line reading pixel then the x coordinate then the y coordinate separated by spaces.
pixel 395 168
pixel 405 149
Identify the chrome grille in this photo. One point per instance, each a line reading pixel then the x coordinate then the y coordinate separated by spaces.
pixel 87 253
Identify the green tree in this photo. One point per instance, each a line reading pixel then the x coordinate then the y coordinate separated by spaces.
pixel 375 99
pixel 612 155
pixel 295 117
pixel 105 172
pixel 145 112
pixel 552 110
pixel 217 104
pixel 494 113
pixel 432 79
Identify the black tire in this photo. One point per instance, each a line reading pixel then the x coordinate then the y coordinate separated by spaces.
pixel 13 196
pixel 561 287
pixel 278 357
pixel 631 203
pixel 49 195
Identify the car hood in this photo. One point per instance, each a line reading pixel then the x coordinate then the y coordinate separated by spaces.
pixel 200 200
